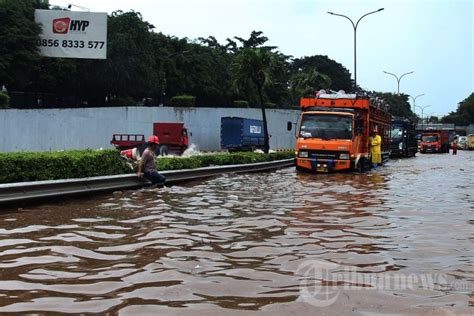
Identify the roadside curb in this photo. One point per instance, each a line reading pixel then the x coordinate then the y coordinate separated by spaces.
pixel 21 192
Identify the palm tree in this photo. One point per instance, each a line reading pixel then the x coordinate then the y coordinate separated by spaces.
pixel 254 66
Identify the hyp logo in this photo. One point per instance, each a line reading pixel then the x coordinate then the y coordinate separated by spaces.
pixel 61 26
pixel 64 25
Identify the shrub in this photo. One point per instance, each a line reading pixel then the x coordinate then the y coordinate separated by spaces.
pixel 122 101
pixel 221 159
pixel 31 166
pixel 241 104
pixel 270 105
pixel 183 101
pixel 4 100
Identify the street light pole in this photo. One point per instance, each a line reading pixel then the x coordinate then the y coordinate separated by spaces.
pixel 398 78
pixel 414 101
pixel 428 117
pixel 355 37
pixel 422 111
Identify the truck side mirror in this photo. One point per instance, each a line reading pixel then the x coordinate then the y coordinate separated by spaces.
pixel 289 126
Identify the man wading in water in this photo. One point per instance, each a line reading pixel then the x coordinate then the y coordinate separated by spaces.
pixel 148 163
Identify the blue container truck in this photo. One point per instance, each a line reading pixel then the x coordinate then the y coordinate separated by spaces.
pixel 241 134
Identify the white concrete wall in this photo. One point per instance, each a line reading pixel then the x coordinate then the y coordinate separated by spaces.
pixel 57 129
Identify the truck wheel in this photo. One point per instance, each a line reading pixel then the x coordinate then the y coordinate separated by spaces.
pixel 300 169
pixel 361 165
pixel 163 150
pixel 365 165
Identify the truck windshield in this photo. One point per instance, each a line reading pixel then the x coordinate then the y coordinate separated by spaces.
pixel 326 126
pixel 430 138
pixel 396 132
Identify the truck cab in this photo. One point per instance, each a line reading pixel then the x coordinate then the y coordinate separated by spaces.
pixel 333 132
pixel 325 140
pixel 173 137
pixel 462 142
pixel 435 142
pixel 403 138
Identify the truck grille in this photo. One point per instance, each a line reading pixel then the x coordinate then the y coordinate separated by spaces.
pixel 325 154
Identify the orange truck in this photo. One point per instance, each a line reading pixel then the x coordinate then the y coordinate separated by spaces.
pixel 333 132
pixel 434 141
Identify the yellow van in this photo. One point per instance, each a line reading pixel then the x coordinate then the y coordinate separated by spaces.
pixel 470 142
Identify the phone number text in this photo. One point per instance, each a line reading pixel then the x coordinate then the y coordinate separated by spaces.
pixel 71 43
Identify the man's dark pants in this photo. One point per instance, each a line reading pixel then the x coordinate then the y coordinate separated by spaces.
pixel 155 177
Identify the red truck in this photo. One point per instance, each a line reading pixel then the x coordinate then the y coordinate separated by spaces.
pixel 173 138
pixel 435 141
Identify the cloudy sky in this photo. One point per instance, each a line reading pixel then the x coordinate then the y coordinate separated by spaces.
pixel 433 38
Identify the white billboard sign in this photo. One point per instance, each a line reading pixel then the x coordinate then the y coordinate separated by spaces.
pixel 72 34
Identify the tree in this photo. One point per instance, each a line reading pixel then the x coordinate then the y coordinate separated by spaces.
pixel 256 39
pixel 307 82
pixel 339 75
pixel 253 66
pixel 18 37
pixel 144 63
pixel 399 105
pixel 464 114
pixel 206 74
pixel 130 65
pixel 433 119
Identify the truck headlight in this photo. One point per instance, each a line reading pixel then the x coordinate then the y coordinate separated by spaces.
pixel 303 154
pixel 400 146
pixel 343 156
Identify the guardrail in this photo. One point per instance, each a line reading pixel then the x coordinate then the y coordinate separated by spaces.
pixel 11 193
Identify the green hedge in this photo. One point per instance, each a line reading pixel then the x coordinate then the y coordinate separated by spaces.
pixel 240 104
pixel 219 160
pixel 31 166
pixel 183 101
pixel 4 100
pixel 122 101
pixel 270 105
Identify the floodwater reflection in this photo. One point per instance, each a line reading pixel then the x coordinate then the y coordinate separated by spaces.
pixel 237 243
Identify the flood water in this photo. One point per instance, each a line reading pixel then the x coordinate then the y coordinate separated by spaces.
pixel 397 240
